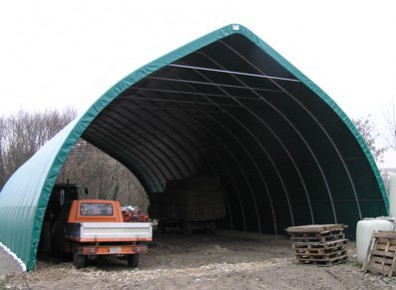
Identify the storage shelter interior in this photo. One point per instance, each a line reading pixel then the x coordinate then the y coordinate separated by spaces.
pixel 225 104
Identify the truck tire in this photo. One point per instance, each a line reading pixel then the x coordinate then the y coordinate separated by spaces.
pixel 78 260
pixel 133 260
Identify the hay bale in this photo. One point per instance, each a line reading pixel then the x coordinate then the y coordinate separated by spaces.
pixel 197 198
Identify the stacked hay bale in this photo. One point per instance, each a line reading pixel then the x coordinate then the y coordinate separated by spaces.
pixel 189 202
pixel 163 204
pixel 322 245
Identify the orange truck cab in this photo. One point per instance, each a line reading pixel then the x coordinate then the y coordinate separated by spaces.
pixel 89 228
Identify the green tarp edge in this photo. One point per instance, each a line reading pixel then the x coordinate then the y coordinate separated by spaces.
pixel 20 197
pixel 94 110
pixel 76 128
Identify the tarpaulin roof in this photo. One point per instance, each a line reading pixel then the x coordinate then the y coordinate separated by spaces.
pixel 226 104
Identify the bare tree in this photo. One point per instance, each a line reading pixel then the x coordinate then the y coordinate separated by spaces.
pixel 23 133
pixel 105 177
pixel 390 121
pixel 368 130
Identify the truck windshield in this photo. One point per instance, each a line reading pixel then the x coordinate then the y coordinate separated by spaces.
pixel 94 209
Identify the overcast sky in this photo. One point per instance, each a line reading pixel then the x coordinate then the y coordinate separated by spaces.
pixel 55 54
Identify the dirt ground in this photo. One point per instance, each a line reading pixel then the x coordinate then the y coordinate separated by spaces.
pixel 8 264
pixel 227 260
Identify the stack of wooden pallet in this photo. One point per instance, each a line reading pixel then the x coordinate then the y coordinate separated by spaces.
pixel 381 254
pixel 322 245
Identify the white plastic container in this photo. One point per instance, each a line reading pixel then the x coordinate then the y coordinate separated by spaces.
pixel 392 196
pixel 364 230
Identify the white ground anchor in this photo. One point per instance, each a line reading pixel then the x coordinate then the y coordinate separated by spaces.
pixel 21 264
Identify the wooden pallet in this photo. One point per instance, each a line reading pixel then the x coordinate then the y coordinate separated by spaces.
pixel 318 251
pixel 317 238
pixel 381 254
pixel 320 256
pixel 321 245
pixel 325 245
pixel 316 228
pixel 317 233
pixel 324 262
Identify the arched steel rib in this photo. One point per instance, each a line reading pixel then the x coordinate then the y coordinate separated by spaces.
pixel 241 170
pixel 150 176
pixel 271 131
pixel 193 144
pixel 321 127
pixel 232 156
pixel 143 160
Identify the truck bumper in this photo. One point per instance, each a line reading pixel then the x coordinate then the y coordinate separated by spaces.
pixel 114 249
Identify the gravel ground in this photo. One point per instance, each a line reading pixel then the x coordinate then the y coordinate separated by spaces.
pixel 227 260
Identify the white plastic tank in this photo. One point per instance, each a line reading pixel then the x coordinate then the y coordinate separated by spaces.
pixel 364 230
pixel 392 196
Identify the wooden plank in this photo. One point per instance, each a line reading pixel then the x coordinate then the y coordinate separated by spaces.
pixel 382 247
pixel 318 239
pixel 317 234
pixel 325 262
pixel 343 260
pixel 368 255
pixel 318 256
pixel 385 234
pixel 318 251
pixel 393 267
pixel 315 228
pixel 309 237
pixel 324 245
pixel 381 257
pixel 378 268
pixel 325 259
pixel 383 253
pixel 321 245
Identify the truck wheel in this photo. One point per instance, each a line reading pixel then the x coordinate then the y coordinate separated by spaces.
pixel 187 229
pixel 133 260
pixel 79 260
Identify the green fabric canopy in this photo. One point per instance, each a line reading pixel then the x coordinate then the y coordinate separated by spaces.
pixel 224 104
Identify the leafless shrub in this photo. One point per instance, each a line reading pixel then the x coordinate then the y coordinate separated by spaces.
pixel 23 133
pixel 103 176
pixel 368 131
pixel 390 121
